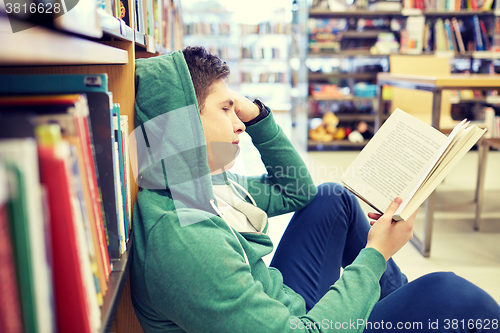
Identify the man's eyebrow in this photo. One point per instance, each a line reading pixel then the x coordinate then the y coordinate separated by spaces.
pixel 230 101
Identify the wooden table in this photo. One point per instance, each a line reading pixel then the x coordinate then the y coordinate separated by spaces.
pixel 484 148
pixel 435 85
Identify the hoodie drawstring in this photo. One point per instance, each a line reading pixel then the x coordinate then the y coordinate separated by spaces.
pixel 214 206
pixel 232 183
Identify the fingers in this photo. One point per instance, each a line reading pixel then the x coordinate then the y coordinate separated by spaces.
pixel 374 216
pixel 393 207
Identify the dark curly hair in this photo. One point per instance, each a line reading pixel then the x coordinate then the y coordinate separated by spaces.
pixel 205 68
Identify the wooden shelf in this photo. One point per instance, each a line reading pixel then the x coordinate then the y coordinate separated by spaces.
pixel 325 76
pixel 461 13
pixel 486 55
pixel 486 99
pixel 320 13
pixel 344 98
pixel 317 145
pixel 116 282
pixel 347 53
pixel 362 34
pixel 140 39
pixel 114 27
pixel 41 46
pixel 352 117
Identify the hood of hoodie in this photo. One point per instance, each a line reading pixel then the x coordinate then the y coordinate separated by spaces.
pixel 171 148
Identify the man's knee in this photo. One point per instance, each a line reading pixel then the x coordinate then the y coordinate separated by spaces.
pixel 457 290
pixel 331 189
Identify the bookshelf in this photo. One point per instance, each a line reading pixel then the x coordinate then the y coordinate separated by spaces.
pixel 109 45
pixel 255 48
pixel 341 40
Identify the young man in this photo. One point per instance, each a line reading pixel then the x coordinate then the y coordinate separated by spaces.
pixel 200 231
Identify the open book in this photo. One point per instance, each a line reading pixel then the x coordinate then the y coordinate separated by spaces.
pixel 407 158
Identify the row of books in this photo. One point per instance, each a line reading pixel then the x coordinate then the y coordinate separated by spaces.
pixel 448 35
pixel 66 213
pixel 225 28
pixel 265 77
pixel 210 28
pixel 159 19
pixel 448 5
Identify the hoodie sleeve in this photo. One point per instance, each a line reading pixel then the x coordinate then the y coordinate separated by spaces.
pixel 287 186
pixel 199 281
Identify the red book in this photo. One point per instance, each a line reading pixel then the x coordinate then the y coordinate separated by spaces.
pixel 70 288
pixel 486 38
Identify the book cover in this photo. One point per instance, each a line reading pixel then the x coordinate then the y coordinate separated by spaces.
pixel 121 221
pixel 415 26
pixel 126 131
pixel 406 158
pixel 30 248
pixel 118 139
pixel 74 289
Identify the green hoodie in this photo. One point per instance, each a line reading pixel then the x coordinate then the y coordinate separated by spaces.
pixel 188 271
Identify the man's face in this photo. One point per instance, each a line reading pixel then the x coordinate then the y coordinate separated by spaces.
pixel 221 126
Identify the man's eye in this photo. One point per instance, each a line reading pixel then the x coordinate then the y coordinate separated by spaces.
pixel 225 109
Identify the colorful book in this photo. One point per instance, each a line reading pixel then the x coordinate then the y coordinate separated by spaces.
pixel 70 112
pixel 449 35
pixel 77 308
pixel 456 29
pixel 10 307
pixel 120 178
pixel 125 131
pixel 95 86
pixel 486 38
pixel 415 26
pixel 477 34
pixel 439 36
pixel 28 230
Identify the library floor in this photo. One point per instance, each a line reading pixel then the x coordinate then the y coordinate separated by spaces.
pixel 456 247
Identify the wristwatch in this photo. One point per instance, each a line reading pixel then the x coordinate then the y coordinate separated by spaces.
pixel 264 112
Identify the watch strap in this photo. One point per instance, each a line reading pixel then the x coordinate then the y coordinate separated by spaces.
pixel 264 112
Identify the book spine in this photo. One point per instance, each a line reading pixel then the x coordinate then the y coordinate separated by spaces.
pixel 458 35
pixel 477 34
pixel 10 308
pixel 127 166
pixel 118 138
pixel 69 278
pixel 121 221
pixel 449 35
pixel 486 38
pixel 496 34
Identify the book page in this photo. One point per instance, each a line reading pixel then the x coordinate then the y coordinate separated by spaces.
pixel 394 160
pixel 463 143
pixel 433 164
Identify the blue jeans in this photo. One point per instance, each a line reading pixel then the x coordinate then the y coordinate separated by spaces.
pixel 329 233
